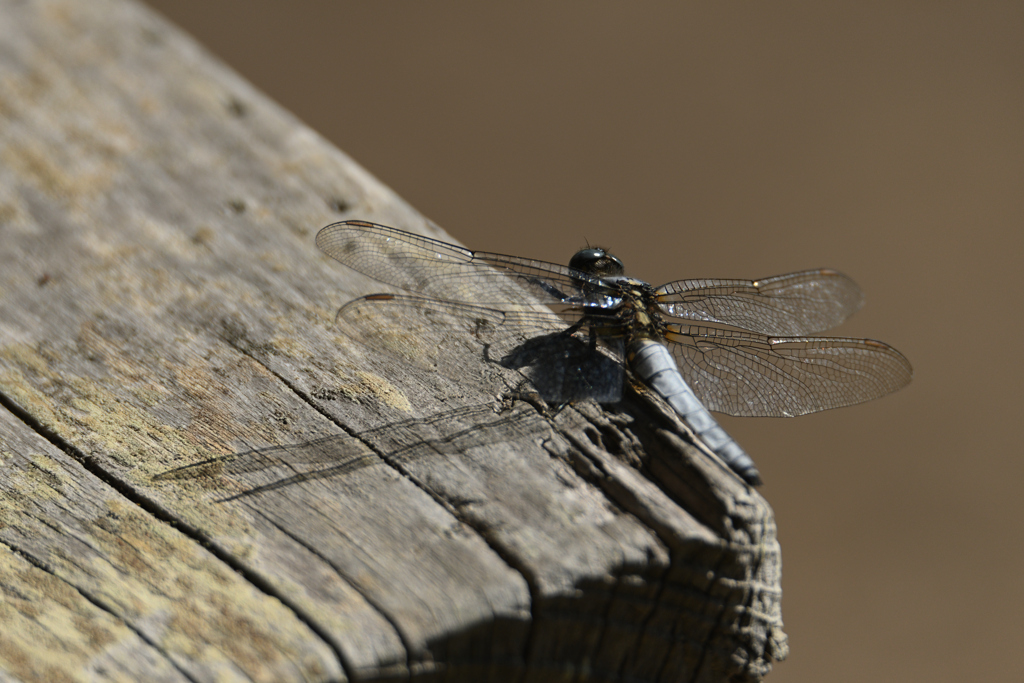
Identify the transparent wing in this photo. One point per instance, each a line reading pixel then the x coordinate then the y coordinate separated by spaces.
pixel 438 269
pixel 786 305
pixel 742 373
pixel 437 324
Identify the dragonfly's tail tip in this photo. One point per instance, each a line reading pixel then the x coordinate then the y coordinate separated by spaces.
pixel 752 477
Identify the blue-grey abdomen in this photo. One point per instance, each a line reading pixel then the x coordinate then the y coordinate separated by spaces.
pixel 653 363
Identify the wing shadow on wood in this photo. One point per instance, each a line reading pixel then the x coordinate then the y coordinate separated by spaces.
pixel 557 366
pixel 343 454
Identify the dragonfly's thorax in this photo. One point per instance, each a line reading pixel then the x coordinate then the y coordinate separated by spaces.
pixel 633 315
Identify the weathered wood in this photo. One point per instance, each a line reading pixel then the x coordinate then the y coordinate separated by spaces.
pixel 95 584
pixel 162 304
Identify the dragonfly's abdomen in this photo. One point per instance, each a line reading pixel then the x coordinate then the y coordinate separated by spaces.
pixel 653 363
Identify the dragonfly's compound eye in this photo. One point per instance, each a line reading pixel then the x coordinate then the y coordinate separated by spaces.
pixel 596 262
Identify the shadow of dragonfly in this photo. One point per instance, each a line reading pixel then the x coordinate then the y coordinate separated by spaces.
pixel 450 432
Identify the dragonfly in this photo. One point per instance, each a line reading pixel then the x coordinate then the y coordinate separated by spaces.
pixel 738 347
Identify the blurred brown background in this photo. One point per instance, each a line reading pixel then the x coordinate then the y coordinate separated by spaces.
pixel 743 140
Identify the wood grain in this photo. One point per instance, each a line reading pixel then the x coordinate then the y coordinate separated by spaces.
pixel 162 304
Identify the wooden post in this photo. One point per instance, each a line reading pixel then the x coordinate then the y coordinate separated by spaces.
pixel 162 303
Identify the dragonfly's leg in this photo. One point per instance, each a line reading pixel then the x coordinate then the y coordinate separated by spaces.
pixel 574 328
pixel 534 398
pixel 546 286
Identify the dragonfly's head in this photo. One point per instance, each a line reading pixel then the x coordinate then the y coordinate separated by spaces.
pixel 596 262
